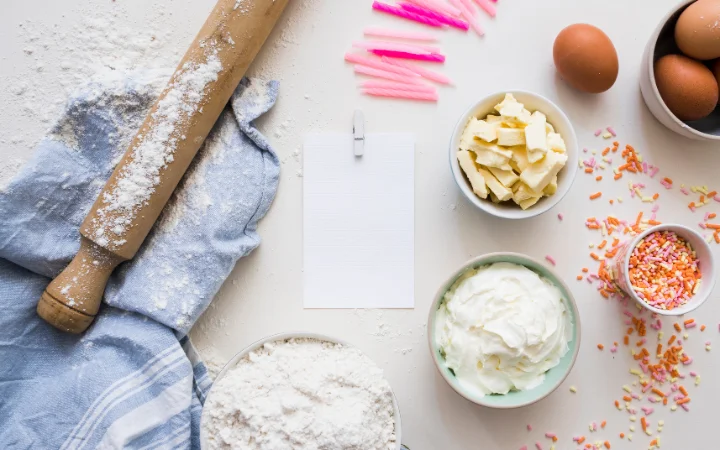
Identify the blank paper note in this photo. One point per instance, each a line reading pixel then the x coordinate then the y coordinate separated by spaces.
pixel 358 219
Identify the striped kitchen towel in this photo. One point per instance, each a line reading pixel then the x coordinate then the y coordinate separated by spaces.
pixel 132 380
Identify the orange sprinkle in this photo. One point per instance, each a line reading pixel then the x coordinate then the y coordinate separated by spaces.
pixel 667 180
pixel 602 425
pixel 643 422
pixel 606 444
pixel 555 438
pixel 627 398
pixel 622 435
pixel 716 235
pixel 618 176
pixel 688 322
pixel 612 201
pixel 617 404
pixel 594 256
pixel 653 222
pixel 598 178
pixel 639 218
pixel 702 327
pixel 639 343
pixel 712 194
pixel 702 199
pixel 585 269
pixel 629 330
pixel 671 340
pixel 691 205
pixel 684 391
pixel 626 340
pixel 602 244
pixel 655 196
pixel 596 195
pixel 588 170
pixel 682 401
pixel 677 327
pixel 713 226
pixel 653 443
pixel 600 346
pixel 658 392
pixel 665 401
pixel 606 151
pixel 581 440
pixel 579 277
pixel 712 216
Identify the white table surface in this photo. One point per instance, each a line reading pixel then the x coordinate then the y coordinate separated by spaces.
pixel 264 293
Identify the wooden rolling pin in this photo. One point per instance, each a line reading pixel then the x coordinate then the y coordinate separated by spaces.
pixel 158 157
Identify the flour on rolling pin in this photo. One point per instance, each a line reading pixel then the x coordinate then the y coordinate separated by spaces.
pixel 138 180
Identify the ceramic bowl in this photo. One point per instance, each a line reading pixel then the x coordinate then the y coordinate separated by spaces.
pixel 619 268
pixel 553 377
pixel 555 116
pixel 661 43
pixel 281 337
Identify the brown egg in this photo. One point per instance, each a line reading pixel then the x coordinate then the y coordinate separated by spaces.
pixel 586 58
pixel 687 87
pixel 697 31
pixel 716 71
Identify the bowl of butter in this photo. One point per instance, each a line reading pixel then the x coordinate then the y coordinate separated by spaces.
pixel 514 154
pixel 504 330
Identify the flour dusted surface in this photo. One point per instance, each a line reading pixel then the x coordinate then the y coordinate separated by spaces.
pixel 301 394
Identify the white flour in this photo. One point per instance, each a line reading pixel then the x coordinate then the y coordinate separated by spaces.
pixel 301 394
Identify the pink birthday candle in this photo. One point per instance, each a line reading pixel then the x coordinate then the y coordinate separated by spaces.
pixel 423 72
pixel 395 93
pixel 467 15
pixel 434 57
pixel 394 10
pixel 396 85
pixel 409 35
pixel 487 6
pixel 397 46
pixel 438 6
pixel 369 71
pixel 453 22
pixel 469 6
pixel 378 64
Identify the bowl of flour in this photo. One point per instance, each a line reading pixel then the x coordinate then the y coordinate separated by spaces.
pixel 301 391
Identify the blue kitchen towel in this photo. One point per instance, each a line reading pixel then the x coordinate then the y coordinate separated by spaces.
pixel 132 380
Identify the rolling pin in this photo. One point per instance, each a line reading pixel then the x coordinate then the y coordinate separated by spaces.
pixel 158 156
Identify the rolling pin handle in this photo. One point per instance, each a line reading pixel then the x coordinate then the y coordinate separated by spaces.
pixel 72 300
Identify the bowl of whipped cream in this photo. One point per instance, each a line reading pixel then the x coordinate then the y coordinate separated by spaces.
pixel 504 330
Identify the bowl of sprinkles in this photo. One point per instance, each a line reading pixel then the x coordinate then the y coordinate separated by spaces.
pixel 668 269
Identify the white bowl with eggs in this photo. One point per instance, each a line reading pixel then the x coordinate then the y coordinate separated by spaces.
pixel 662 42
pixel 562 125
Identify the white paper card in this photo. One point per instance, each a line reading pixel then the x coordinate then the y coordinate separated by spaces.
pixel 359 215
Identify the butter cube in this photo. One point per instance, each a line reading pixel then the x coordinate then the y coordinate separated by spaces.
pixel 477 181
pixel 556 143
pixel 482 129
pixel 519 160
pixel 490 158
pixel 549 128
pixel 529 202
pixel 539 174
pixel 535 156
pixel 494 198
pixel 493 119
pixel 522 192
pixel 535 137
pixel 509 137
pixel 551 188
pixel 495 186
pixel 538 117
pixel 512 111
pixel 479 146
pixel 506 177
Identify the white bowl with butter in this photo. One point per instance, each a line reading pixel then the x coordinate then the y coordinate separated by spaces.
pixel 504 180
pixel 504 330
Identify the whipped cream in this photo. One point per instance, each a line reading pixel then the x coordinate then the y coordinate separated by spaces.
pixel 501 327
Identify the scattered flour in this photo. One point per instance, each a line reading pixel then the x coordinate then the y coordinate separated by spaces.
pixel 302 394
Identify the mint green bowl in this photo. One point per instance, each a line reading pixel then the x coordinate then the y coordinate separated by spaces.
pixel 553 377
